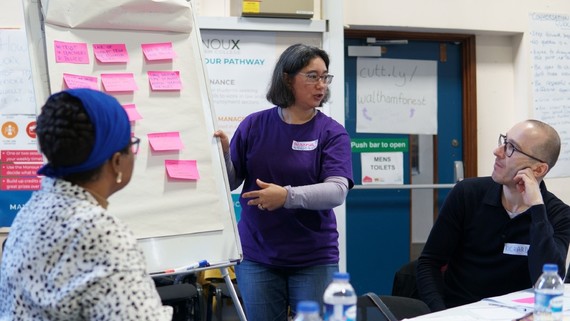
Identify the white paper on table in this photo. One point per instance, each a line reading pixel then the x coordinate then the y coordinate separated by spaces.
pixel 496 313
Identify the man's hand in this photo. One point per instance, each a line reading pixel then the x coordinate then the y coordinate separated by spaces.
pixel 528 186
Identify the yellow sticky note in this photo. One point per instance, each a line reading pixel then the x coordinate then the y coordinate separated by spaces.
pixel 251 6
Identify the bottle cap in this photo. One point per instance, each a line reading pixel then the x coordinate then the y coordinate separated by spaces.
pixel 550 268
pixel 307 307
pixel 341 276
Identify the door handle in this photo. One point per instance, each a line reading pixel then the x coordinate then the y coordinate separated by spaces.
pixel 458 171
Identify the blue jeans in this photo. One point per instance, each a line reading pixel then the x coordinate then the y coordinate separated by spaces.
pixel 268 292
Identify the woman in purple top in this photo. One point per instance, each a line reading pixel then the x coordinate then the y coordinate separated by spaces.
pixel 295 163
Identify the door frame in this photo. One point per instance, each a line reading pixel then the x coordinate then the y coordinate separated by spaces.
pixel 469 83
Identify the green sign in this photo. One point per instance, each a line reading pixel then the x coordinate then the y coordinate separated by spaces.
pixel 366 145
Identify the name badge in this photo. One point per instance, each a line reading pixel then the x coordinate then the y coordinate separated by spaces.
pixel 305 145
pixel 516 249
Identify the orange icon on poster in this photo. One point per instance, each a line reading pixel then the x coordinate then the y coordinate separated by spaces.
pixel 9 129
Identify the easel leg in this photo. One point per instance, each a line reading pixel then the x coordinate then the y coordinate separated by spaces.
pixel 233 293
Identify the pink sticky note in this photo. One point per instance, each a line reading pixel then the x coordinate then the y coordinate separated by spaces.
pixel 111 52
pixel 71 52
pixel 158 51
pixel 164 80
pixel 165 141
pixel 80 81
pixel 182 169
pixel 132 112
pixel 119 82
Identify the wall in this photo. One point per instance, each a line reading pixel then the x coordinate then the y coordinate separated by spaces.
pixel 503 72
pixel 503 64
pixel 503 81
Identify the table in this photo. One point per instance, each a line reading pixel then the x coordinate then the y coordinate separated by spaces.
pixel 502 308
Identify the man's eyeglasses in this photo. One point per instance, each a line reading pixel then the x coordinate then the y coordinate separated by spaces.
pixel 510 148
pixel 313 78
pixel 135 142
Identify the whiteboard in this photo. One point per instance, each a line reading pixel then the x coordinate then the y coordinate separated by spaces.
pixel 177 221
pixel 550 68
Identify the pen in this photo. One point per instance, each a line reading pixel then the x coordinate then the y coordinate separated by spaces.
pixel 516 307
pixel 203 263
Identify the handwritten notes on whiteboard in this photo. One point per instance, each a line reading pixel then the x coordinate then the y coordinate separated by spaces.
pixel 396 96
pixel 550 56
pixel 16 87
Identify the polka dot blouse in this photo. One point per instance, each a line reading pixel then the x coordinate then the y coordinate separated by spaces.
pixel 66 258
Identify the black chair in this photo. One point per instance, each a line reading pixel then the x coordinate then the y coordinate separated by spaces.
pixel 218 290
pixel 405 281
pixel 389 308
pixel 371 308
pixel 183 294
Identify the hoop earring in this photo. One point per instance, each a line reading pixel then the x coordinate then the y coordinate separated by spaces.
pixel 119 177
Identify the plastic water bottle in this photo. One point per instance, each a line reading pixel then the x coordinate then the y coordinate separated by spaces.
pixel 308 311
pixel 340 299
pixel 548 293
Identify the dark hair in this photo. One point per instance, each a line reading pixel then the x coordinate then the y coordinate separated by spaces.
pixel 291 61
pixel 66 135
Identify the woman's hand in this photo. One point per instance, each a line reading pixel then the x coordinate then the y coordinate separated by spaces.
pixel 224 140
pixel 269 197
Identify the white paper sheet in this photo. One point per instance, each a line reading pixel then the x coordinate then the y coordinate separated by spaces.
pixel 149 15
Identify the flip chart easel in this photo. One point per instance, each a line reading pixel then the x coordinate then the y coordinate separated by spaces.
pixel 176 220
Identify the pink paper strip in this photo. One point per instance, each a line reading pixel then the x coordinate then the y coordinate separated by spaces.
pixel 158 51
pixel 182 169
pixel 119 82
pixel 111 52
pixel 164 80
pixel 79 81
pixel 132 112
pixel 165 141
pixel 71 52
pixel 525 300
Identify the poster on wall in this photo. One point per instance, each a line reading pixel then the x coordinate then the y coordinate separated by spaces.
pixel 19 156
pixel 240 65
pixel 550 71
pixel 396 96
pixel 239 68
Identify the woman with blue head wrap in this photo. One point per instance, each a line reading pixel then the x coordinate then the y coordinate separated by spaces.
pixel 66 258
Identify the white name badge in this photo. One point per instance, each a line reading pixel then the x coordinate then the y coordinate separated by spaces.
pixel 305 145
pixel 516 249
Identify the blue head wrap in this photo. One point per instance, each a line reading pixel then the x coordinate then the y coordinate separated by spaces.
pixel 112 131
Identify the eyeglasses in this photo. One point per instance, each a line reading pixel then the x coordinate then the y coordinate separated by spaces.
pixel 510 148
pixel 135 142
pixel 313 78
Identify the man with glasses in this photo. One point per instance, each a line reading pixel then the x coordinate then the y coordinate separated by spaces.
pixel 493 234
